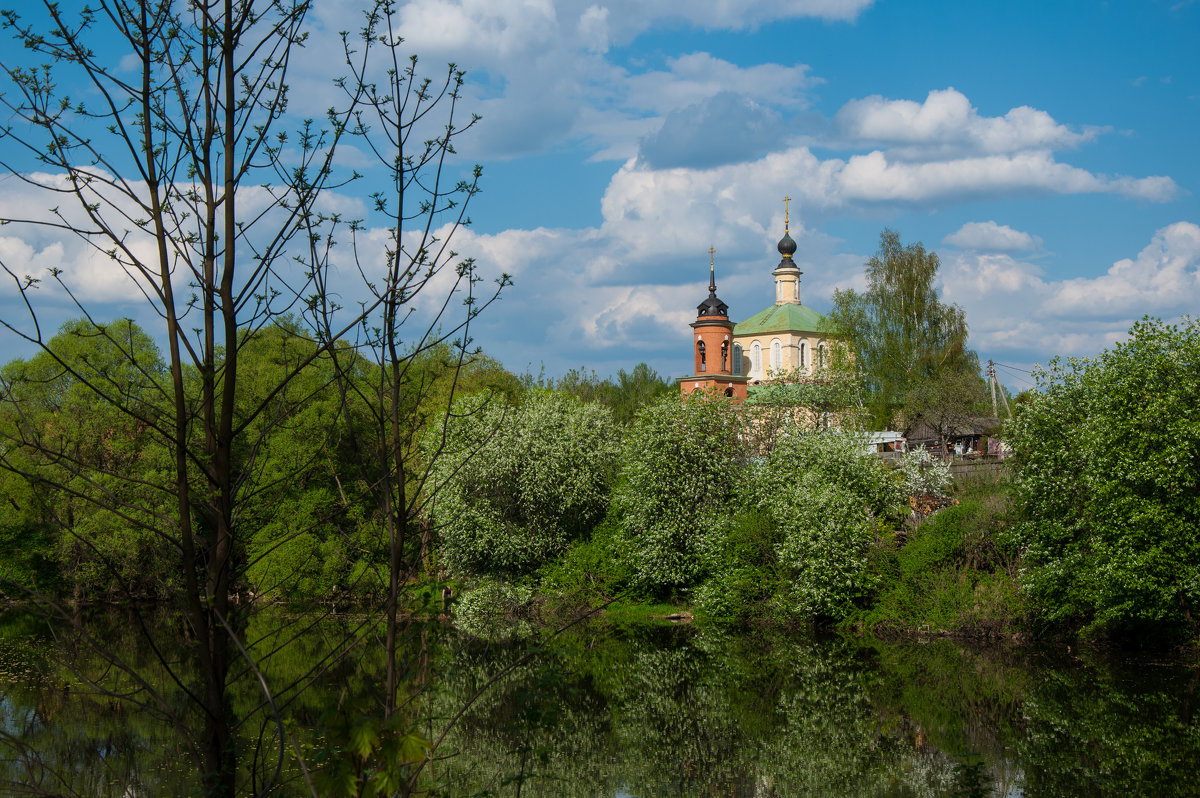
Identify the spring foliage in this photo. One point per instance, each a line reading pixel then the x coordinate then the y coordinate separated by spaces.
pixel 826 502
pixel 1107 459
pixel 680 468
pixel 901 333
pixel 518 484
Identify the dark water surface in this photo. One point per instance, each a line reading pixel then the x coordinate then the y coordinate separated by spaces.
pixel 606 711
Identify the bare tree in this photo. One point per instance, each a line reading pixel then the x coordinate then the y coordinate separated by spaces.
pixel 188 174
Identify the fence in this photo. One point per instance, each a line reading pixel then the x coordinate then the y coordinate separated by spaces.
pixel 977 471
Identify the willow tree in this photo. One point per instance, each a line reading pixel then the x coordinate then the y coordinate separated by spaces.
pixel 162 135
pixel 899 330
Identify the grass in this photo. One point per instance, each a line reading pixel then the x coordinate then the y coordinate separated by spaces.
pixel 621 612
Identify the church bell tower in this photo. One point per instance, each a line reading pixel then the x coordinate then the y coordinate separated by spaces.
pixel 716 359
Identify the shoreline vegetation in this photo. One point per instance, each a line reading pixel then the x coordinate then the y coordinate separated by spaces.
pixel 951 575
pixel 550 499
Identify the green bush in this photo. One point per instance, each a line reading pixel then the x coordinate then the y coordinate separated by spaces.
pixel 592 570
pixel 680 467
pixel 516 485
pixel 744 574
pixel 956 575
pixel 1107 474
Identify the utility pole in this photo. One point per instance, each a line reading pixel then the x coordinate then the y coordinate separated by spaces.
pixel 991 373
pixel 993 383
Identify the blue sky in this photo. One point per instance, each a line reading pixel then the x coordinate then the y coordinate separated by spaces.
pixel 1046 151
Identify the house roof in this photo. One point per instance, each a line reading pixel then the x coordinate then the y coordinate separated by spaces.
pixel 783 318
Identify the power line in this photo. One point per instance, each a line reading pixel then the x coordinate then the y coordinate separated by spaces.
pixel 1012 368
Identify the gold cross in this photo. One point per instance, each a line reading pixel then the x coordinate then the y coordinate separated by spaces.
pixel 786 200
pixel 711 260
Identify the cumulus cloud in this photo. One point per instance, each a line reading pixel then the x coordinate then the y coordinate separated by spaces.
pixel 513 25
pixel 876 178
pixel 1016 310
pixel 39 246
pixel 1164 279
pixel 991 237
pixel 946 122
pixel 657 208
pixel 541 73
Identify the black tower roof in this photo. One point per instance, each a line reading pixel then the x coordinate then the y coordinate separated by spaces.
pixel 712 306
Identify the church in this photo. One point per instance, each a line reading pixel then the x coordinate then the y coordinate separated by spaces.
pixel 781 339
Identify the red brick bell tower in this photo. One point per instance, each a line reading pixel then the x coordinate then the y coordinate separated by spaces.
pixel 717 367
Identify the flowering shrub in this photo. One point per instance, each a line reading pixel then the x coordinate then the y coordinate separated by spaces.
pixel 493 609
pixel 924 474
pixel 516 484
pixel 826 501
pixel 679 470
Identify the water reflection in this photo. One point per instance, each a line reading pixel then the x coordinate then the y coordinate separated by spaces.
pixel 634 711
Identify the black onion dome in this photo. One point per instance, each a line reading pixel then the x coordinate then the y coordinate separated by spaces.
pixel 787 247
pixel 712 306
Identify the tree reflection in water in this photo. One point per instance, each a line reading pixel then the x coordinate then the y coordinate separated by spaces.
pixel 639 711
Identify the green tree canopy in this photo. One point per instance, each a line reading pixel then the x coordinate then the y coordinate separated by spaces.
pixel 1107 466
pixel 625 396
pixel 899 329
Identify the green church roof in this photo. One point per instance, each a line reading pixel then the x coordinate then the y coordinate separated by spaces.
pixel 783 318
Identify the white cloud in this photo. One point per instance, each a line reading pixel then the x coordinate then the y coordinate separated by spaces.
pixel 1164 279
pixel 541 75
pixel 992 237
pixel 508 26
pixel 593 29
pixel 659 209
pixel 874 178
pixel 1015 310
pixel 946 122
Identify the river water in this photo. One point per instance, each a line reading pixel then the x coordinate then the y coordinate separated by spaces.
pixel 601 710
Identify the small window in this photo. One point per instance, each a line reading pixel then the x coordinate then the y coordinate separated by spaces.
pixel 803 355
pixel 739 367
pixel 701 356
pixel 756 360
pixel 776 355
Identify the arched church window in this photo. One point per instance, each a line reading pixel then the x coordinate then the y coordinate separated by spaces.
pixel 776 355
pixel 803 355
pixel 729 391
pixel 756 360
pixel 822 360
pixel 700 352
pixel 739 367
pixel 724 356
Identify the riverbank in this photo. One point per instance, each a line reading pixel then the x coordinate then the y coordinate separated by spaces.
pixel 954 575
